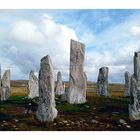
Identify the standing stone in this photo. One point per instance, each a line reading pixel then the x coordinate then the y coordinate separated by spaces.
pixel 137 67
pixel 85 80
pixel 77 85
pixel 64 86
pixel 85 76
pixel 59 90
pixel 102 82
pixel 64 96
pixel 127 84
pixel 46 110
pixel 5 86
pixel 134 106
pixel 33 85
pixel 0 76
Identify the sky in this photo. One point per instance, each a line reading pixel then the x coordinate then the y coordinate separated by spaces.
pixel 110 36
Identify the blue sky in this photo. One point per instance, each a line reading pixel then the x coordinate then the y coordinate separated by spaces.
pixel 111 37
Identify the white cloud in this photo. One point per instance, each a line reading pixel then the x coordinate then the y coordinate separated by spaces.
pixel 135 30
pixel 27 31
pixel 114 48
pixel 29 42
pixel 13 50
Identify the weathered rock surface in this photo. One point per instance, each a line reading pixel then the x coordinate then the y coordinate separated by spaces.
pixel 127 84
pixel 59 89
pixel 137 67
pixel 0 76
pixel 46 110
pixel 77 87
pixel 134 106
pixel 5 86
pixel 102 82
pixel 32 85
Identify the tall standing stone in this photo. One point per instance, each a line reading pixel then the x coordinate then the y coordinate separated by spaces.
pixel 32 85
pixel 127 84
pixel 46 110
pixel 5 86
pixel 59 89
pixel 134 106
pixel 102 82
pixel 0 76
pixel 85 75
pixel 77 84
pixel 137 67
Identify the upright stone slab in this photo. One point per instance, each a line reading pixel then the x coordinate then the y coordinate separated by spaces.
pixel 46 110
pixel 77 83
pixel 102 82
pixel 137 67
pixel 32 85
pixel 59 89
pixel 0 76
pixel 134 106
pixel 127 84
pixel 85 75
pixel 5 82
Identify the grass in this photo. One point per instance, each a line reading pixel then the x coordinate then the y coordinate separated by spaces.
pixel 18 113
pixel 22 91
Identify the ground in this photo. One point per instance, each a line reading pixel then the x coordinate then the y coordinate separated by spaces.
pixel 98 113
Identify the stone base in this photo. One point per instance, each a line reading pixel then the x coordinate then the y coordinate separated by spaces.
pixel 64 97
pixel 32 97
pixel 76 98
pixel 134 114
pixel 46 115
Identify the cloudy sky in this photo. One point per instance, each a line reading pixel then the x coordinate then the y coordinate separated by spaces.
pixel 111 37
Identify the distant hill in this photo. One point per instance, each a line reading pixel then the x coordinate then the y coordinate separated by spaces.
pixel 19 83
pixel 91 86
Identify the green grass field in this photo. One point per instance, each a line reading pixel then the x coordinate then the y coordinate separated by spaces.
pixel 98 113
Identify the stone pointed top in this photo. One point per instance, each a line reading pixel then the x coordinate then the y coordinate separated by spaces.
pixel 104 68
pixel 7 72
pixel 31 72
pixel 59 75
pixel 127 73
pixel 59 72
pixel 33 75
pixel 137 54
pixel 77 42
pixel 46 59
